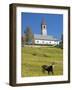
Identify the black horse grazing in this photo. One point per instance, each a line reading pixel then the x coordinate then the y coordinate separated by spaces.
pixel 49 69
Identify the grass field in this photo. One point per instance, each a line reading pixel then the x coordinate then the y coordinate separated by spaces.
pixel 34 57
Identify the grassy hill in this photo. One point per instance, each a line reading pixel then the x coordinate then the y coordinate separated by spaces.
pixel 34 57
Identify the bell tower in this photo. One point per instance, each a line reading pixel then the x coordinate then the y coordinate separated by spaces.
pixel 43 28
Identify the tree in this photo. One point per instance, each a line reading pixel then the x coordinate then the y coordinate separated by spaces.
pixel 23 40
pixel 61 42
pixel 29 35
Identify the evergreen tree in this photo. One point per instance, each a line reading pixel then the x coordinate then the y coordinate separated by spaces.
pixel 29 36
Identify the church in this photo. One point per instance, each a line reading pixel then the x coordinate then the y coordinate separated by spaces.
pixel 44 38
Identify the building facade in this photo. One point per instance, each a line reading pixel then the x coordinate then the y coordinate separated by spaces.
pixel 44 38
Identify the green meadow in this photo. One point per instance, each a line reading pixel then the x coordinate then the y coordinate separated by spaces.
pixel 34 57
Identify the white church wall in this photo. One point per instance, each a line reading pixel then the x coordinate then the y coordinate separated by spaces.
pixel 46 42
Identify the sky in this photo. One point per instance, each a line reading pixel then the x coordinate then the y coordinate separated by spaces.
pixel 54 23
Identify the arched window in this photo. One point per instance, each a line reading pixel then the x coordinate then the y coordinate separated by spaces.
pixel 37 41
pixel 44 26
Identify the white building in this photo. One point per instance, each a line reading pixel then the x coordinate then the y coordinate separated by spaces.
pixel 43 38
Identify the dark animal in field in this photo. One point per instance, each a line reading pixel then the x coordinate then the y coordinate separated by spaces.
pixel 48 68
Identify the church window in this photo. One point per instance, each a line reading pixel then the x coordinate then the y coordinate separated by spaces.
pixel 37 41
pixel 44 26
pixel 50 42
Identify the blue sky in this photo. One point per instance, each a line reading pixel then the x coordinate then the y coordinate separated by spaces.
pixel 54 23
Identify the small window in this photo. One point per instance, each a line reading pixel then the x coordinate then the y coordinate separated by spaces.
pixel 44 26
pixel 37 41
pixel 49 42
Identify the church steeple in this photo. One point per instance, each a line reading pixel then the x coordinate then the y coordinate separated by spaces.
pixel 43 27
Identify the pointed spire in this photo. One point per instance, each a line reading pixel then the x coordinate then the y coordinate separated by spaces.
pixel 43 21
